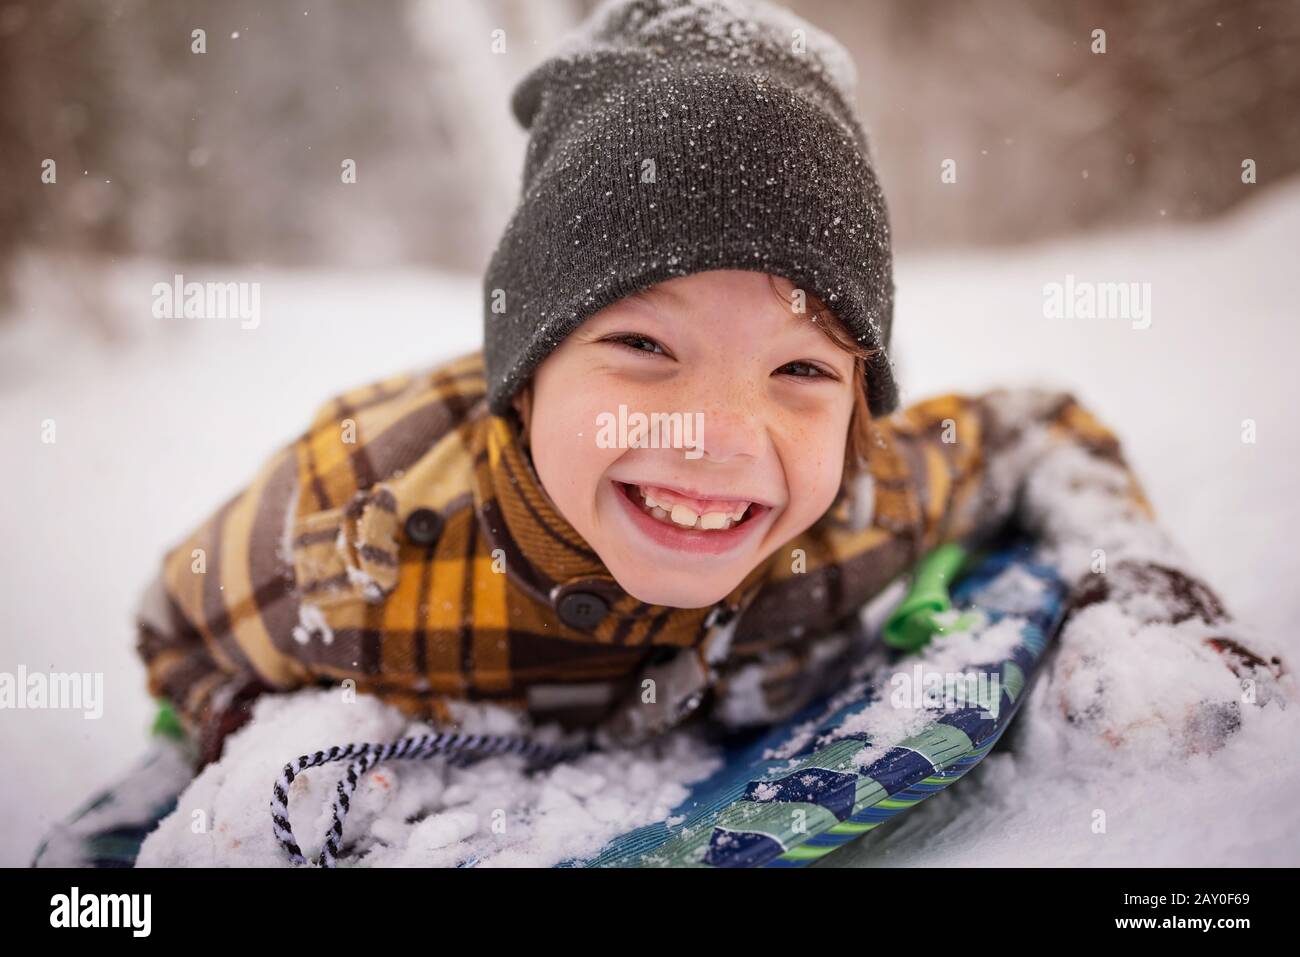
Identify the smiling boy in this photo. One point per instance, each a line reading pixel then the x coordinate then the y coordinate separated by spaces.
pixel 701 231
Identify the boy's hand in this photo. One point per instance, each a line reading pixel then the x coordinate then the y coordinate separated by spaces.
pixel 1168 688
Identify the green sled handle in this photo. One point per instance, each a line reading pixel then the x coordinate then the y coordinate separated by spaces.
pixel 915 621
pixel 167 724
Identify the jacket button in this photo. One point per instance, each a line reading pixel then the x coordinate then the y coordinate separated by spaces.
pixel 423 526
pixel 582 609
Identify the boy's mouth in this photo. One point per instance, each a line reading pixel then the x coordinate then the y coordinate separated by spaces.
pixel 688 512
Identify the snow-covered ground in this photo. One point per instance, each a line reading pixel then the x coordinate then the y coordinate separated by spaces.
pixel 153 434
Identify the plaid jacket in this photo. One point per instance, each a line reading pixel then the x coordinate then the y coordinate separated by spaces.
pixel 403 542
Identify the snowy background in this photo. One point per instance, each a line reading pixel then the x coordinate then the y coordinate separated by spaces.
pixel 159 421
pixel 151 435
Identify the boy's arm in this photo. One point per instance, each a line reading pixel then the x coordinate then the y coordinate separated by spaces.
pixel 1041 459
pixel 969 462
pixel 209 624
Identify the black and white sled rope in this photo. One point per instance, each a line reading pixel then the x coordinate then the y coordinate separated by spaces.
pixel 460 749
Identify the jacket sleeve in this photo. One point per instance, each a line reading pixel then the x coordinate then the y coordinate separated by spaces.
pixel 968 464
pixel 1041 460
pixel 212 626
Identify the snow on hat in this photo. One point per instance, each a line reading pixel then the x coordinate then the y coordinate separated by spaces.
pixel 671 137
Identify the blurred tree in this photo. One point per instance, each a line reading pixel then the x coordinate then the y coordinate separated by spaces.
pixel 1050 137
pixel 236 154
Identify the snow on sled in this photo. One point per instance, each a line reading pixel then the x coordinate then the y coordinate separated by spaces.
pixel 847 764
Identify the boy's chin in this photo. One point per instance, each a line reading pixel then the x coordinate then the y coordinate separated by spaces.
pixel 674 590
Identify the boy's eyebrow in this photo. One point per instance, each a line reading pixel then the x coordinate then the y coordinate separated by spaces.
pixel 653 299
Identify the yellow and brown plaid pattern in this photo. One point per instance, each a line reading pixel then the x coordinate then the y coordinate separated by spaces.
pixel 311 575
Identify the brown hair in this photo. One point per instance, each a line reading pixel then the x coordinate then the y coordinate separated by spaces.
pixel 858 447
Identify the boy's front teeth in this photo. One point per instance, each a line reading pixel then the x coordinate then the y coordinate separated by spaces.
pixel 688 517
pixel 715 520
pixel 684 515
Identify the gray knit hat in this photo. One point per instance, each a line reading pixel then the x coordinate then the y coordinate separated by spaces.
pixel 677 136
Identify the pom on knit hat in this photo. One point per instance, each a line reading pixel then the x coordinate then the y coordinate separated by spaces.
pixel 672 137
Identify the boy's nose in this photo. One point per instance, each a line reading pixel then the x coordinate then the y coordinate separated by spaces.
pixel 729 432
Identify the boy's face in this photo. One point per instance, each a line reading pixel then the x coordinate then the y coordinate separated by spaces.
pixel 772 393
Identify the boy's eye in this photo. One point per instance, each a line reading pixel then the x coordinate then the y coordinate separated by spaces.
pixel 805 370
pixel 636 342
